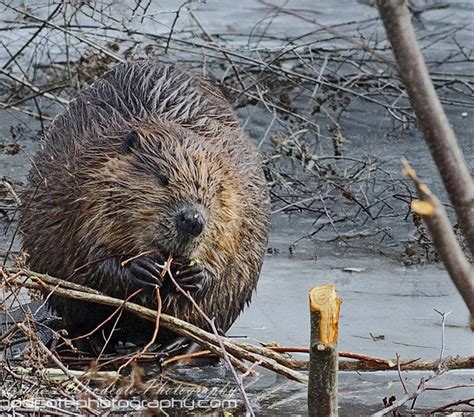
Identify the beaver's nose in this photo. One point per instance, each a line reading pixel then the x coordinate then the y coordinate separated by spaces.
pixel 190 222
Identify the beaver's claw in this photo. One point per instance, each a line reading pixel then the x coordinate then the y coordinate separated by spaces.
pixel 190 278
pixel 145 271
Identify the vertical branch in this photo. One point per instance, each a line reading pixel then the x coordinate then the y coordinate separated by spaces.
pixel 322 387
pixel 436 129
pixel 460 270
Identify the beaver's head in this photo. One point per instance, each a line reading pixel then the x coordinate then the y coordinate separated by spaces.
pixel 162 188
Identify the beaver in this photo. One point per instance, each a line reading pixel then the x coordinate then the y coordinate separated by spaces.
pixel 147 160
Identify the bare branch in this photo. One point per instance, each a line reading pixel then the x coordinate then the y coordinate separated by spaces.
pixel 444 239
pixel 435 125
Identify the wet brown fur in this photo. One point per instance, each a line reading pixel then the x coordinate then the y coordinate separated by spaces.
pixel 86 193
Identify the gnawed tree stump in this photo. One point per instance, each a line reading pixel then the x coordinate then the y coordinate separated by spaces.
pixel 322 387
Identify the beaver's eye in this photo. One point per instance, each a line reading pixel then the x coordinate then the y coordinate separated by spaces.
pixel 130 142
pixel 163 179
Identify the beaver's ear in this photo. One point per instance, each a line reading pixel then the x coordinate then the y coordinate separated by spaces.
pixel 130 142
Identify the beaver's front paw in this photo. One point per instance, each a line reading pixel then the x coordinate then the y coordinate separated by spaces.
pixel 145 271
pixel 190 277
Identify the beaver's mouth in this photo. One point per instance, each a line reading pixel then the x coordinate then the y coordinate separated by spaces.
pixel 181 252
pixel 165 254
pixel 176 256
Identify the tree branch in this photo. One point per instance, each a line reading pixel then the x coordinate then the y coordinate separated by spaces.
pixel 435 125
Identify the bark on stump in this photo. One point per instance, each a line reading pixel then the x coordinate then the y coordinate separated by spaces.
pixel 322 386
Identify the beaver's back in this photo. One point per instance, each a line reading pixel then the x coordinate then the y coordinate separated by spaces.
pixel 139 91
